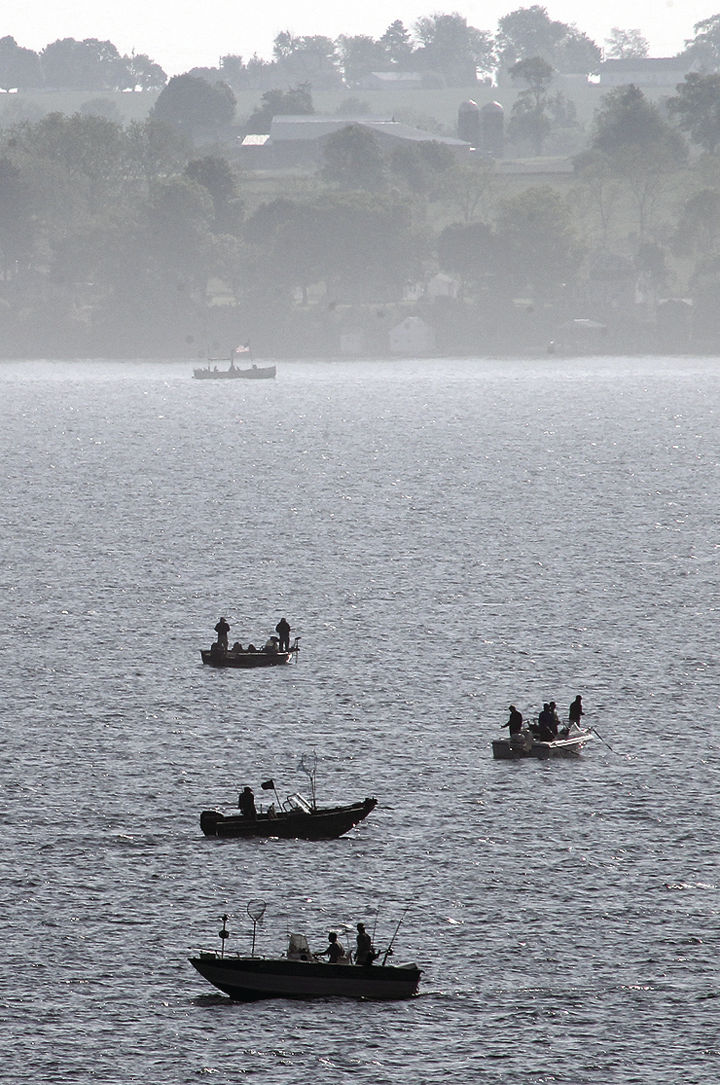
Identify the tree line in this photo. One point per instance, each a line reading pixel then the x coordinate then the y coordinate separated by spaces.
pixel 442 48
pixel 127 240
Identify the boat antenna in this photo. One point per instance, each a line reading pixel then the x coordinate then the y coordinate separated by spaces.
pixel 388 951
pixel 311 774
pixel 256 911
pixel 223 935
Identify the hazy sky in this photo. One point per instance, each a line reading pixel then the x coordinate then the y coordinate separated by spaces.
pixel 181 34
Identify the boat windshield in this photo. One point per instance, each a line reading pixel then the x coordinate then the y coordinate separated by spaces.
pixel 299 802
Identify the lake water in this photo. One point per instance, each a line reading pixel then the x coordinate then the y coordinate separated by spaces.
pixel 447 538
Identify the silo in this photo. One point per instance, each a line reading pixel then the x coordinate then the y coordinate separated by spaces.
pixel 468 124
pixel 492 129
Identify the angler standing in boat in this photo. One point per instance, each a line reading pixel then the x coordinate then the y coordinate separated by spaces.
pixel 576 711
pixel 515 722
pixel 222 629
pixel 364 954
pixel 283 631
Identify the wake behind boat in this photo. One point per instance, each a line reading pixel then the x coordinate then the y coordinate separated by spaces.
pixel 299 973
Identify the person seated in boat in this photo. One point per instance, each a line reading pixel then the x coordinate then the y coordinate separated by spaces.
pixel 365 953
pixel 333 950
pixel 283 631
pixel 251 648
pixel 246 803
pixel 515 722
pixel 271 645
pixel 544 730
pixel 237 647
pixel 554 720
pixel 222 629
pixel 216 652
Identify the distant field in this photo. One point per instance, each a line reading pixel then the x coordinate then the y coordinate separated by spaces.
pixel 435 109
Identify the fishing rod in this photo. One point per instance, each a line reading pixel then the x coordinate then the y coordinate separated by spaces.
pixel 388 951
pixel 596 732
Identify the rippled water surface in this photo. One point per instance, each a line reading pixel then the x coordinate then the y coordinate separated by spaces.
pixel 446 538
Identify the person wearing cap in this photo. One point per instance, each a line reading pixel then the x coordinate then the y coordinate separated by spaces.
pixel 283 631
pixel 576 711
pixel 222 629
pixel 333 950
pixel 515 722
pixel 364 954
pixel 246 803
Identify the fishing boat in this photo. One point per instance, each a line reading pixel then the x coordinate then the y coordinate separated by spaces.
pixel 234 372
pixel 255 373
pixel 294 819
pixel 526 744
pixel 237 656
pixel 299 973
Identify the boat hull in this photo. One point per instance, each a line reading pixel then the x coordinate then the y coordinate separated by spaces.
pixel 247 979
pixel 524 745
pixel 266 372
pixel 323 824
pixel 245 660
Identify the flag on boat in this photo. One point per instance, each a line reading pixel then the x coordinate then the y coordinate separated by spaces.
pixel 243 350
pixel 268 785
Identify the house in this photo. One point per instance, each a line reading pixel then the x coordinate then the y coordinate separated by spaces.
pixel 643 72
pixel 298 140
pixel 412 336
pixel 391 81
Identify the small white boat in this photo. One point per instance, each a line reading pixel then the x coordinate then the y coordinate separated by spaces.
pixel 526 745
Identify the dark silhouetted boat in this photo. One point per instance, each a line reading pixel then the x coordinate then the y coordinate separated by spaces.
pixel 296 818
pixel 237 656
pixel 300 974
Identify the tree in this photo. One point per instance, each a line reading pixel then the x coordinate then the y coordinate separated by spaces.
pixel 360 55
pixel 704 48
pixel 454 49
pixel 633 142
pixel 143 73
pixel 530 32
pixel 297 101
pixel 194 105
pixel 19 68
pixel 529 114
pixel 396 43
pixel 535 241
pixel 423 167
pixel 311 58
pixel 154 151
pixel 83 65
pixel 468 249
pixel 18 227
pixel 697 107
pixel 625 44
pixel 353 160
pixel 215 175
